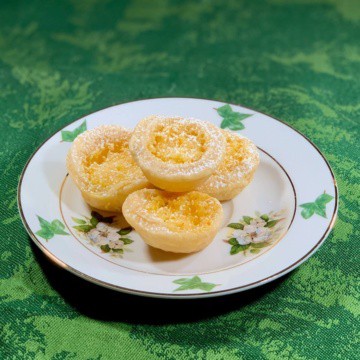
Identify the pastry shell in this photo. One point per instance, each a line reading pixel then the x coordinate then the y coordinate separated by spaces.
pixel 177 154
pixel 175 222
pixel 236 170
pixel 100 164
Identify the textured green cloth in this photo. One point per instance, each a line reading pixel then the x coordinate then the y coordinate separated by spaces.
pixel 296 60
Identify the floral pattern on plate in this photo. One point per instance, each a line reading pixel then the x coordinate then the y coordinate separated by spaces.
pixel 252 234
pixel 101 231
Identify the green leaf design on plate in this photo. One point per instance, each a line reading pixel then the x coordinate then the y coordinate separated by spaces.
pixel 43 223
pixel 323 199
pixel 247 219
pixel 193 283
pixel 233 241
pixel 320 210
pixel 181 281
pixel 83 228
pixel 308 210
pixel 120 251
pixel 265 217
pixel 317 207
pixel 49 229
pixel 58 227
pixel 79 221
pixel 271 223
pixel 260 245
pixel 94 221
pixel 237 226
pixel 255 251
pixel 45 233
pixel 235 249
pixel 231 118
pixel 105 248
pixel 126 241
pixel 69 136
pixel 125 231
pixel 100 218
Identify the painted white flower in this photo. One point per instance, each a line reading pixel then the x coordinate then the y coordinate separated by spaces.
pixel 258 222
pixel 116 244
pixel 103 234
pixel 242 237
pixel 255 232
pixel 262 235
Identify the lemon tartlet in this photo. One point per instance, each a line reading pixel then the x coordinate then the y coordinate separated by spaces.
pixel 236 170
pixel 100 163
pixel 180 223
pixel 177 154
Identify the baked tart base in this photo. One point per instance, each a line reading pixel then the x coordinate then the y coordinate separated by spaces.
pixel 236 170
pixel 177 154
pixel 101 165
pixel 179 223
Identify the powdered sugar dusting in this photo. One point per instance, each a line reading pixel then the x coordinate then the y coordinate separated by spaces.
pixel 237 168
pixel 182 162
pixel 99 160
pixel 156 210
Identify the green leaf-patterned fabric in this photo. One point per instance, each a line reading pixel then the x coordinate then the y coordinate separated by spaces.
pixel 298 60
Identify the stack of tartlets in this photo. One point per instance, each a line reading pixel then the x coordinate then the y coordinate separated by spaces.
pixel 167 176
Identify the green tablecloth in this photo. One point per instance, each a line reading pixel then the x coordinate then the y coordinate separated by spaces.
pixel 297 60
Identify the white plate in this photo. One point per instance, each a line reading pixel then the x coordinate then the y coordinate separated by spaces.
pixel 294 188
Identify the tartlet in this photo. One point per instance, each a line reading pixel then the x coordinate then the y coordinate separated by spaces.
pixel 177 154
pixel 100 163
pixel 180 223
pixel 235 171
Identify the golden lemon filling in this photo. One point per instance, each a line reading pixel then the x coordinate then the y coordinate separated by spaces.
pixel 110 166
pixel 100 163
pixel 177 154
pixel 178 144
pixel 183 212
pixel 235 153
pixel 181 223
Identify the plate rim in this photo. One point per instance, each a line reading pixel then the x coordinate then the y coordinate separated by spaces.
pixel 105 284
